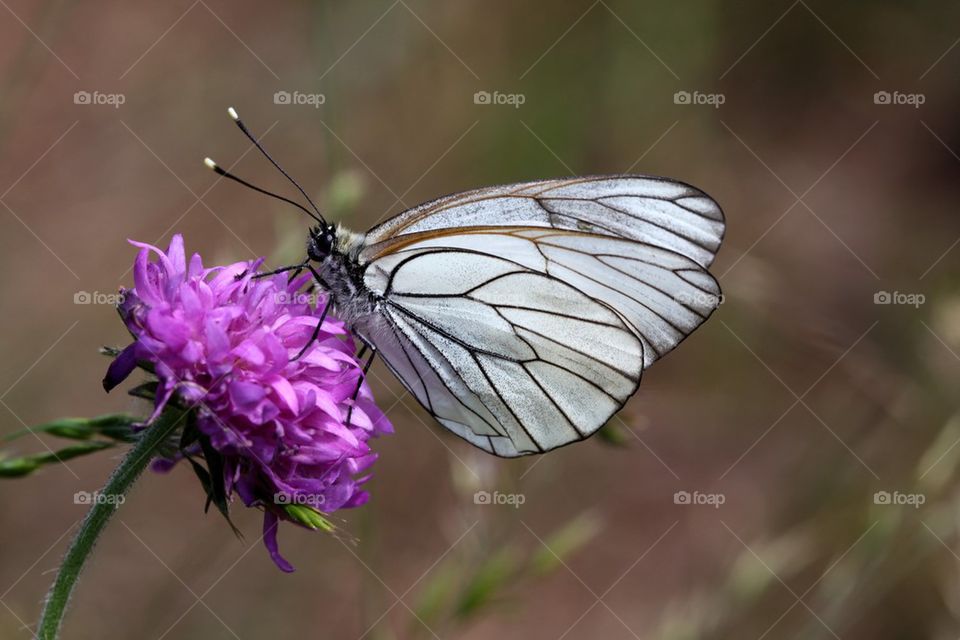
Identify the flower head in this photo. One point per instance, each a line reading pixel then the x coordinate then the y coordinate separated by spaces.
pixel 224 344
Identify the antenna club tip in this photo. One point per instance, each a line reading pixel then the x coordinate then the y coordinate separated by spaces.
pixel 233 113
pixel 210 164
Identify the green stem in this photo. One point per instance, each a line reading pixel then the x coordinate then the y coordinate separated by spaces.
pixel 96 520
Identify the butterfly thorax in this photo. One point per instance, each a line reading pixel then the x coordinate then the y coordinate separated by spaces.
pixel 335 253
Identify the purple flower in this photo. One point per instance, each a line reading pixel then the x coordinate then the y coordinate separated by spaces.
pixel 224 343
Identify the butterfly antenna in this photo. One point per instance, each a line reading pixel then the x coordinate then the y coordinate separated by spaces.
pixel 213 166
pixel 246 132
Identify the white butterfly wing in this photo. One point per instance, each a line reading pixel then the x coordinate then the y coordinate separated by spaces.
pixel 521 339
pixel 659 211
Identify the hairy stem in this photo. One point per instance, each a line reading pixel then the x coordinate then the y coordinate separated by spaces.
pixel 103 507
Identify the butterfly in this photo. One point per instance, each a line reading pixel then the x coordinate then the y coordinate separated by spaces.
pixel 522 316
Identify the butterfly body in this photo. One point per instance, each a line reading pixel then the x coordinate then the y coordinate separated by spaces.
pixel 333 252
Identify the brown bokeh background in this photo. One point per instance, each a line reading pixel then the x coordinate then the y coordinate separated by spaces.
pixel 797 402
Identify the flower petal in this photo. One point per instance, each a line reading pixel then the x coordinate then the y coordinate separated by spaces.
pixel 270 541
pixel 246 394
pixel 222 341
pixel 121 367
pixel 175 253
pixel 285 393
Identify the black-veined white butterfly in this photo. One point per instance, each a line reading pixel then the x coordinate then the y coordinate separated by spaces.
pixel 522 316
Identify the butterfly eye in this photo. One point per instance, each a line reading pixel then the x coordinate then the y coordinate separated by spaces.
pixel 317 247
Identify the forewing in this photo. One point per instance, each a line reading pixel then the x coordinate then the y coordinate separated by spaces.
pixel 657 211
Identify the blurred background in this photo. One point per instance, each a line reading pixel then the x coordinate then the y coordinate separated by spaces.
pixel 789 472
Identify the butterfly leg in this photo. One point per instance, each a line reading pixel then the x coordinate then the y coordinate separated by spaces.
pixel 293 275
pixel 257 276
pixel 361 378
pixel 316 275
pixel 316 332
pixel 323 315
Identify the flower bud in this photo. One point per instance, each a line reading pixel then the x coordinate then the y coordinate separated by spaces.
pixel 308 517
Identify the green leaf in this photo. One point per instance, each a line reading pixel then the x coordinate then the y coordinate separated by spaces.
pixel 496 573
pixel 189 435
pixel 116 426
pixel 222 506
pixel 73 428
pixel 18 467
pixel 24 465
pixel 613 434
pixel 436 595
pixel 217 493
pixel 212 477
pixel 564 542
pixel 147 390
pixel 76 450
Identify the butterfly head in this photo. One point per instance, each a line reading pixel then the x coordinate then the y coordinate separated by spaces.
pixel 321 243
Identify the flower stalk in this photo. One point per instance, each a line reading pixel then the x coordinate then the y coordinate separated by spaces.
pixel 145 449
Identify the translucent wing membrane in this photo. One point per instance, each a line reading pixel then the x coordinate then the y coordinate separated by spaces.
pixel 658 211
pixel 523 339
